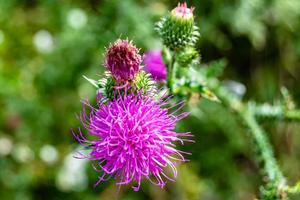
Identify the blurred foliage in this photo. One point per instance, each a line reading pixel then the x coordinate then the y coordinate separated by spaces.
pixel 46 46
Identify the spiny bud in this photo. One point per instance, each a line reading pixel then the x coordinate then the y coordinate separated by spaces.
pixel 178 30
pixel 109 88
pixel 144 82
pixel 106 86
pixel 187 56
pixel 123 60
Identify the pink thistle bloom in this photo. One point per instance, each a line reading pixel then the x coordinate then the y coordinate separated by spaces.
pixel 154 65
pixel 123 60
pixel 134 139
pixel 182 11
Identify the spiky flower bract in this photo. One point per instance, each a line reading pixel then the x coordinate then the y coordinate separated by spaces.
pixel 134 139
pixel 178 30
pixel 154 64
pixel 142 82
pixel 123 60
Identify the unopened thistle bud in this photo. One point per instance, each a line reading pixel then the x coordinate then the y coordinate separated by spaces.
pixel 106 86
pixel 178 30
pixel 144 82
pixel 187 56
pixel 109 88
pixel 123 60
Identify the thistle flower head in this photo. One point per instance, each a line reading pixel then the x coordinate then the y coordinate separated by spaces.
pixel 135 139
pixel 123 60
pixel 177 29
pixel 183 12
pixel 154 64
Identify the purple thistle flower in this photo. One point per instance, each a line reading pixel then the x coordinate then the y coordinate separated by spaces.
pixel 154 65
pixel 123 60
pixel 135 136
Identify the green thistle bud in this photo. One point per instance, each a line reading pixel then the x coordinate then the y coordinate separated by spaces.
pixel 106 86
pixel 187 56
pixel 109 87
pixel 144 82
pixel 178 30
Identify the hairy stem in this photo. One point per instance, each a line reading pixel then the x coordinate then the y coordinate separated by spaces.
pixel 265 150
pixel 278 112
pixel 272 171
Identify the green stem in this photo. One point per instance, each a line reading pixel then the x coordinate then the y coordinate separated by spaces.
pixel 271 168
pixel 171 73
pixel 266 111
pixel 270 165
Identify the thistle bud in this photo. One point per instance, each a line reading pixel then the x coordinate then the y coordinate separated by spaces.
pixel 187 56
pixel 123 60
pixel 144 82
pixel 109 88
pixel 178 30
pixel 106 86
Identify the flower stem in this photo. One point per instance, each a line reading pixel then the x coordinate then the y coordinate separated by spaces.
pixel 273 173
pixel 265 150
pixel 276 112
pixel 171 73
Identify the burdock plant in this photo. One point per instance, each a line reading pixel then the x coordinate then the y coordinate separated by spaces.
pixel 133 125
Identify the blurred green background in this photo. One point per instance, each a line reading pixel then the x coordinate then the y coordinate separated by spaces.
pixel 47 45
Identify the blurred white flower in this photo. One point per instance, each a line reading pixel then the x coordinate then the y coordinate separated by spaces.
pixel 22 153
pixel 77 18
pixel 43 41
pixel 6 146
pixel 48 154
pixel 72 175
